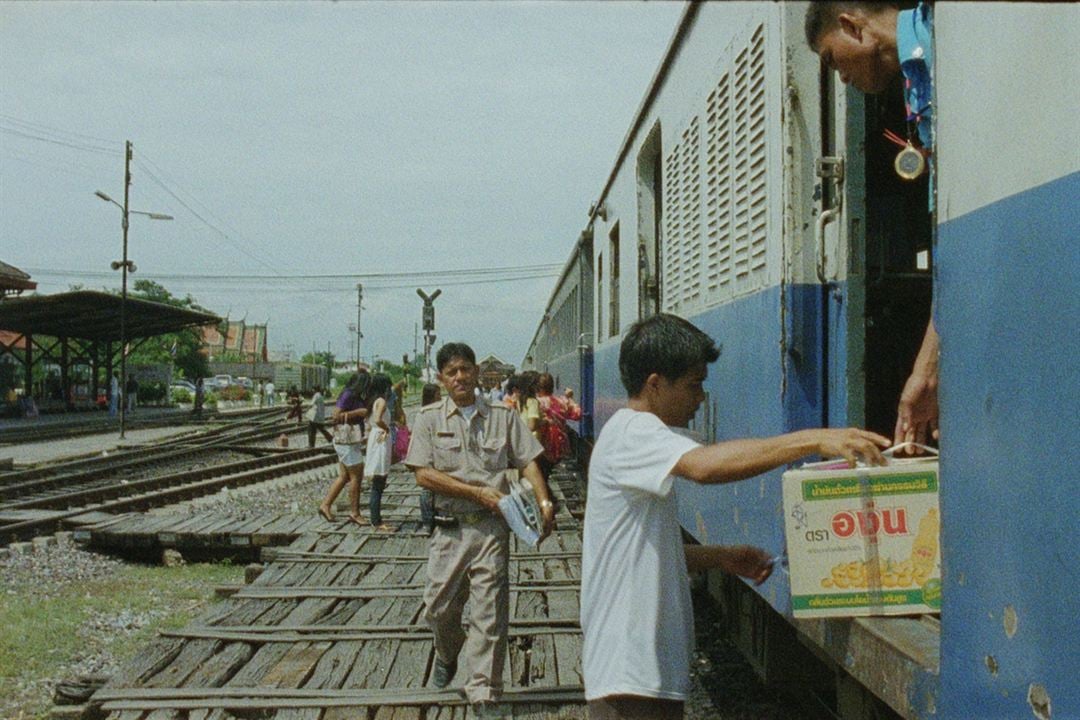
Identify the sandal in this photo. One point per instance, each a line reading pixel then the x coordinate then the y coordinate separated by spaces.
pixel 327 515
pixel 384 528
pixel 357 519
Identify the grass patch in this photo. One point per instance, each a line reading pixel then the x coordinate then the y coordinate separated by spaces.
pixel 43 639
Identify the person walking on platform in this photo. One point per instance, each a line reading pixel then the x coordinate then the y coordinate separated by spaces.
pixel 296 405
pixel 461 449
pixel 349 414
pixel 131 393
pixel 554 435
pixel 270 393
pixel 870 44
pixel 317 418
pixel 114 394
pixel 377 459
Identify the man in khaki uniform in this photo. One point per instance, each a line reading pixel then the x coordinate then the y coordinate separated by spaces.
pixel 461 448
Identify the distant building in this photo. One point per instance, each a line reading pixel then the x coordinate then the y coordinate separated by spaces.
pixel 14 281
pixel 493 371
pixel 235 340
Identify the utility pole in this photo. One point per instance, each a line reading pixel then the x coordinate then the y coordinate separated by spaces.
pixel 359 307
pixel 123 293
pixel 126 266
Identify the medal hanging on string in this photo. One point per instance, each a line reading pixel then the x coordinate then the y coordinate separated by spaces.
pixel 910 162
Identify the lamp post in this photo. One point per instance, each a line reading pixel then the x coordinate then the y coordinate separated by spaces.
pixel 125 266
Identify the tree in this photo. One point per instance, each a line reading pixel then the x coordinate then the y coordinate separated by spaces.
pixel 319 358
pixel 183 348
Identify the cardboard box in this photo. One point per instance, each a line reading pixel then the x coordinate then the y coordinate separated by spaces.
pixel 863 541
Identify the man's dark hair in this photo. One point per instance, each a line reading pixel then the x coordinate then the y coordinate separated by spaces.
pixel 821 17
pixel 449 351
pixel 664 344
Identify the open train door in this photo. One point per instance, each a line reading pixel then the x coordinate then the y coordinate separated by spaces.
pixel 872 255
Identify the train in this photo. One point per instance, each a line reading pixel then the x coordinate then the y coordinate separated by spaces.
pixel 753 194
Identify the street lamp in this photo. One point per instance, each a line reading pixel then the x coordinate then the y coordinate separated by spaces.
pixel 126 266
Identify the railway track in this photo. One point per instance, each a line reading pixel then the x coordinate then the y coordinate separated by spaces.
pixel 44 499
pixel 29 518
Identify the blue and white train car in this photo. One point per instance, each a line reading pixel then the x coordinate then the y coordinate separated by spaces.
pixel 755 196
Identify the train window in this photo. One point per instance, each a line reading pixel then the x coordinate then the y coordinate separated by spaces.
pixel 613 312
pixel 600 296
pixel 650 216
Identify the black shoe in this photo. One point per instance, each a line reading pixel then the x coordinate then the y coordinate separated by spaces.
pixel 442 674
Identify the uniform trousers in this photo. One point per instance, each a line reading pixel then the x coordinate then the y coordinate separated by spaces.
pixel 470 562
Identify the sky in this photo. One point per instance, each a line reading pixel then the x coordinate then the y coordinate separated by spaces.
pixel 321 139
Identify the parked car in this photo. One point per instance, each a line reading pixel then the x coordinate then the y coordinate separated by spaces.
pixel 245 382
pixel 183 385
pixel 222 381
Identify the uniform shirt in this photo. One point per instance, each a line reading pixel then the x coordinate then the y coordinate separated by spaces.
pixel 636 611
pixel 914 46
pixel 476 451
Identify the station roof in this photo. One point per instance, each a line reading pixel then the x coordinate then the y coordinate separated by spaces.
pixel 92 315
pixel 12 278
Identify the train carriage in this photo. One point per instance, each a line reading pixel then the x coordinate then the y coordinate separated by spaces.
pixel 754 195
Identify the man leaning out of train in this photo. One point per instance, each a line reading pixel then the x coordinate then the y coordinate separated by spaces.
pixel 636 612
pixel 870 44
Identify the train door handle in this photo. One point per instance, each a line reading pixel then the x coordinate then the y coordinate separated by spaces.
pixel 824 218
pixel 827 168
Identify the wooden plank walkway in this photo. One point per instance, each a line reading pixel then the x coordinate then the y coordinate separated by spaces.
pixel 225 534
pixel 331 629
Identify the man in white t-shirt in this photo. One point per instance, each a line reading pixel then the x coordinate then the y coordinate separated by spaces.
pixel 636 612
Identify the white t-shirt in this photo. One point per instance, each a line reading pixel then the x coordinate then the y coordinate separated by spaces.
pixel 636 611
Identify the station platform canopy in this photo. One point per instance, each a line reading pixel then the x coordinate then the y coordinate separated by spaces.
pixel 95 316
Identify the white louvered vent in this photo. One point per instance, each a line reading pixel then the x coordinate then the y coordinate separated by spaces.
pixel 758 188
pixel 741 163
pixel 691 216
pixel 672 230
pixel 718 183
pixel 682 222
pixel 716 216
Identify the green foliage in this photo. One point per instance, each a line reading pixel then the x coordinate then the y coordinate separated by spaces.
pixel 181 348
pixel 319 358
pixel 181 395
pixel 152 392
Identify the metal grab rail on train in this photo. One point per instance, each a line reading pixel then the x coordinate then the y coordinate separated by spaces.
pixel 828 168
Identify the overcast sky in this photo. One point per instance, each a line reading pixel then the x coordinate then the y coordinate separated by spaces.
pixel 319 138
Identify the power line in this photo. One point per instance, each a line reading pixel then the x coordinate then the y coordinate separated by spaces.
pixel 83 147
pixel 539 270
pixel 50 130
pixel 160 183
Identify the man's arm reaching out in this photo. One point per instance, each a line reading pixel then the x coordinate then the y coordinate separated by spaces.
pixel 740 459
